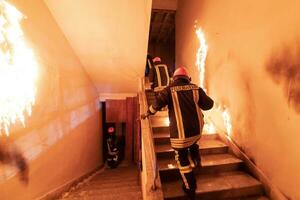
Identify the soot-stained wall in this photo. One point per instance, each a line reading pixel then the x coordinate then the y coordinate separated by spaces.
pixel 62 138
pixel 253 68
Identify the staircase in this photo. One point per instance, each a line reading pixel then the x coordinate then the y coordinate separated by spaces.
pixel 110 184
pixel 222 176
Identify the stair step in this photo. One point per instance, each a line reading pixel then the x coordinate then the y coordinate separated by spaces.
pixel 163 113
pixel 160 139
pixel 160 129
pixel 251 198
pixel 226 185
pixel 215 163
pixel 98 189
pixel 116 176
pixel 107 196
pixel 163 137
pixel 159 121
pixel 117 182
pixel 206 146
pixel 117 172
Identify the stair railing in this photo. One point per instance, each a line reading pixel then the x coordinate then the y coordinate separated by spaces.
pixel 151 184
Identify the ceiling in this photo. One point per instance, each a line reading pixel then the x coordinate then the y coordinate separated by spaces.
pixel 109 37
pixel 162 29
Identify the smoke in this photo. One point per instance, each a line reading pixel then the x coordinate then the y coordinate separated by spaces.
pixel 284 68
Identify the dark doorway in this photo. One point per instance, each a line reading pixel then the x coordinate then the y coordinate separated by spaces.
pixel 162 36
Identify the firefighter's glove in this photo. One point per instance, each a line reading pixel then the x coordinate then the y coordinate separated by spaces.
pixel 145 115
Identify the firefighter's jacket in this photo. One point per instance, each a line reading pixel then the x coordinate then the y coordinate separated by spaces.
pixel 149 64
pixel 159 77
pixel 184 101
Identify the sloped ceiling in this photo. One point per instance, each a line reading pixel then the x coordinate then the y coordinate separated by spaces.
pixel 162 28
pixel 109 37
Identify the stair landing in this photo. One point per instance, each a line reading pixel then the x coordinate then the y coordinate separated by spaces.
pixel 109 184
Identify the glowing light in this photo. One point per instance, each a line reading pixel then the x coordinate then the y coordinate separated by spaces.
pixel 201 56
pixel 166 121
pixel 171 166
pixel 227 121
pixel 18 69
pixel 209 127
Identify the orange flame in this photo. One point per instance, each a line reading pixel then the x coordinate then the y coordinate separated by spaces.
pixel 18 69
pixel 201 55
pixel 227 120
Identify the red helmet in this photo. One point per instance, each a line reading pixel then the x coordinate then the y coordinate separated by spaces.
pixel 180 71
pixel 156 59
pixel 111 130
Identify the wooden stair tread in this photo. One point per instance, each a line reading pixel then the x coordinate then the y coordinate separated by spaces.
pixel 206 161
pixel 217 186
pixel 110 196
pixel 159 121
pixel 251 198
pixel 203 144
pixel 118 183
pixel 162 134
pixel 99 189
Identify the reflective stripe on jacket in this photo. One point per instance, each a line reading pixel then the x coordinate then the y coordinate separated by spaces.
pixel 159 77
pixel 184 101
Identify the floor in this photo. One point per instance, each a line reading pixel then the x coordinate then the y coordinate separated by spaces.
pixel 122 182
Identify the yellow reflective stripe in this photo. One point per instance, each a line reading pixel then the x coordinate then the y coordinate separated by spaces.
pixel 167 74
pixel 199 113
pixel 181 173
pixel 184 87
pixel 186 170
pixel 177 140
pixel 149 63
pixel 158 89
pixel 184 167
pixel 152 110
pixel 158 75
pixel 178 115
pixel 182 145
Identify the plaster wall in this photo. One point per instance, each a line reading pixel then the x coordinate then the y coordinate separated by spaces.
pixel 109 37
pixel 62 138
pixel 253 68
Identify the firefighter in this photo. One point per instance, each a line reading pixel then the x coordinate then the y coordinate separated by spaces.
pixel 112 149
pixel 159 75
pixel 149 64
pixel 184 101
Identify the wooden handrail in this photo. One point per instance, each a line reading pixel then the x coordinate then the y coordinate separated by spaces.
pixel 151 184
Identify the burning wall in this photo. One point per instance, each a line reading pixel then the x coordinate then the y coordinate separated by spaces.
pixel 252 67
pixel 61 138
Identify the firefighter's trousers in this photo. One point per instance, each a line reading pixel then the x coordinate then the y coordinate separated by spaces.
pixel 188 159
